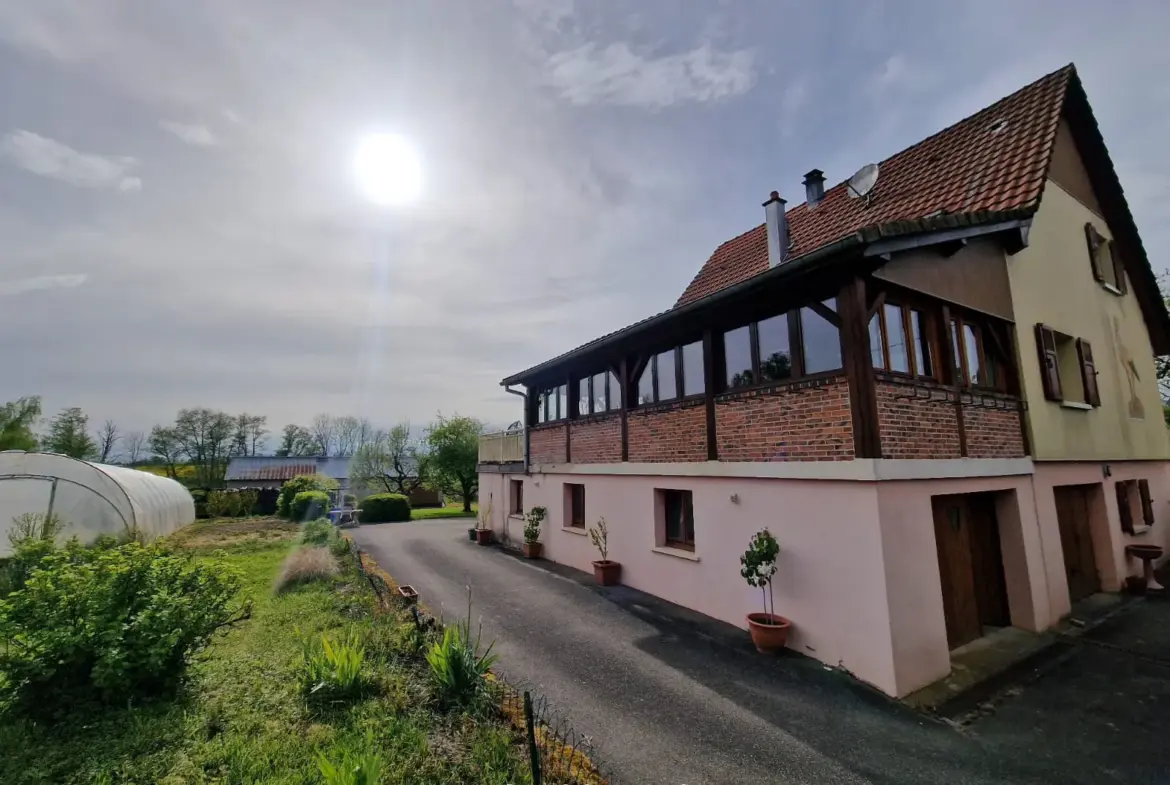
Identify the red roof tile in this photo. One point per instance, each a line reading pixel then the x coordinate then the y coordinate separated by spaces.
pixel 996 159
pixel 285 471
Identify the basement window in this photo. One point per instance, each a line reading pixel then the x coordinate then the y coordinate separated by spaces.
pixel 677 511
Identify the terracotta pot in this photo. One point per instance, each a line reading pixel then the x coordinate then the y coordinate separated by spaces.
pixel 471 534
pixel 532 550
pixel 607 573
pixel 408 594
pixel 769 631
pixel 1136 585
pixel 483 536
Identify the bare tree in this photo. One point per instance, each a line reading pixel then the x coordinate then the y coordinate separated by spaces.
pixel 324 432
pixel 257 432
pixel 366 432
pixel 134 445
pixel 164 444
pixel 392 461
pixel 107 439
pixel 349 430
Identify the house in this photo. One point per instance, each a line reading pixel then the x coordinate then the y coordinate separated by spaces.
pixel 263 471
pixel 939 396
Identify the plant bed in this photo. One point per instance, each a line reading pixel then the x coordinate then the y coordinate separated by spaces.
pixel 607 573
pixel 408 594
pixel 769 632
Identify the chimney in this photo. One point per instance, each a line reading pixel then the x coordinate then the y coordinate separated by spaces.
pixel 814 187
pixel 777 224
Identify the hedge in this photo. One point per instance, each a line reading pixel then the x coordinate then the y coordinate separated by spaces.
pixel 385 508
pixel 304 482
pixel 309 505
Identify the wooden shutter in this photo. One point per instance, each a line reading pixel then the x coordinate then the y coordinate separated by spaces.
pixel 1093 239
pixel 1088 372
pixel 1123 510
pixel 1049 364
pixel 1118 267
pixel 1147 502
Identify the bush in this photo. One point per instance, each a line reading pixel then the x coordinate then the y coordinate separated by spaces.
pixel 385 508
pixel 354 766
pixel 108 623
pixel 304 565
pixel 339 547
pixel 332 670
pixel 308 505
pixel 317 532
pixel 304 482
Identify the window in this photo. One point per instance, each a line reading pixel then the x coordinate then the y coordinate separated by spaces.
pixel 664 374
pixel 516 505
pixel 737 349
pixel 552 404
pixel 692 369
pixel 821 340
pixel 899 340
pixel 1128 492
pixel 675 373
pixel 541 407
pixel 920 333
pixel 646 386
pixel 562 401
pixel 615 393
pixel 598 394
pixel 976 356
pixel 679 518
pixel 575 505
pixel 583 397
pixel 1105 260
pixel 1067 370
pixel 775 353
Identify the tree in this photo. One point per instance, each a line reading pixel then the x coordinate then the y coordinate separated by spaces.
pixel 69 435
pixel 391 462
pixel 205 438
pixel 454 455
pixel 164 444
pixel 249 433
pixel 349 429
pixel 107 439
pixel 134 445
pixel 366 432
pixel 17 419
pixel 295 440
pixel 324 432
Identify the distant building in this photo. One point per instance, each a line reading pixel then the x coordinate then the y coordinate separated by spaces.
pixel 265 471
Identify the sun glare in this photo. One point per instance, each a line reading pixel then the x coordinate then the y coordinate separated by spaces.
pixel 388 169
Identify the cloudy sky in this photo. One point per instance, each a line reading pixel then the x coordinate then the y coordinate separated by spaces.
pixel 179 225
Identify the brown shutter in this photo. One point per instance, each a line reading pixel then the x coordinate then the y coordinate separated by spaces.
pixel 1088 372
pixel 1147 502
pixel 1093 239
pixel 1123 510
pixel 1049 365
pixel 1118 267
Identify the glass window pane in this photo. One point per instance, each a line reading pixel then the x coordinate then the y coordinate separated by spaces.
pixel 667 385
pixel 541 402
pixel 598 393
pixel 974 366
pixel 583 397
pixel 958 352
pixel 692 359
pixel 896 335
pixel 876 342
pixel 775 353
pixel 615 394
pixel 822 342
pixel 646 385
pixel 737 351
pixel 563 401
pixel 922 360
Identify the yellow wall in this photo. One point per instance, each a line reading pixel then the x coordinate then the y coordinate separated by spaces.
pixel 1052 282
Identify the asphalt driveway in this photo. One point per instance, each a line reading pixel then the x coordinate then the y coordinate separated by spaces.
pixel 670 697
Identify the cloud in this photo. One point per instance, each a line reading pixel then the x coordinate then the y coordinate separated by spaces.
pixel 130 184
pixel 50 158
pixel 24 285
pixel 197 135
pixel 615 74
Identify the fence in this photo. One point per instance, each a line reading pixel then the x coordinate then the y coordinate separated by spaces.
pixel 558 754
pixel 501 447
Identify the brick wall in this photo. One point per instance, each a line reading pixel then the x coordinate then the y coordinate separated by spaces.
pixel 796 423
pixel 993 433
pixel 546 444
pixel 916 427
pixel 597 441
pixel 673 434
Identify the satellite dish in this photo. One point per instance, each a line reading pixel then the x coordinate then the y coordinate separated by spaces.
pixel 862 183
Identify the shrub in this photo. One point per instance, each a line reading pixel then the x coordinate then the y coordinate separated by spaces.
pixel 339 547
pixel 354 766
pixel 385 508
pixel 304 565
pixel 332 669
pixel 26 556
pixel 304 482
pixel 350 500
pixel 144 612
pixel 317 532
pixel 308 505
pixel 34 526
pixel 218 504
pixel 458 669
pixel 532 523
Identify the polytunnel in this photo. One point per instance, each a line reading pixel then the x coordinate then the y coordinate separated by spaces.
pixel 89 498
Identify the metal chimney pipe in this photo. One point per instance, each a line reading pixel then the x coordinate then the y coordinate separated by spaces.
pixel 777 225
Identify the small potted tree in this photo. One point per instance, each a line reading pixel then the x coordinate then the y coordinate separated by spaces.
pixel 769 632
pixel 605 572
pixel 482 521
pixel 532 521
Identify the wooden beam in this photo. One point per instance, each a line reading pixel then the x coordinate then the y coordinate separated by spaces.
pixel 878 302
pixel 952 247
pixel 851 304
pixel 827 313
pixel 709 393
pixel 624 384
pixel 956 384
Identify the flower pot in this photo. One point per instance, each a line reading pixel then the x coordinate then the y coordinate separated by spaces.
pixel 769 631
pixel 471 534
pixel 532 550
pixel 1136 585
pixel 483 536
pixel 607 573
pixel 408 594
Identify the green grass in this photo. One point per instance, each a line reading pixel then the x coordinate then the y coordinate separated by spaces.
pixel 450 511
pixel 241 717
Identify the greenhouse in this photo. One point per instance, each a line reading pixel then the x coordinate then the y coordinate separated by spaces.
pixel 89 498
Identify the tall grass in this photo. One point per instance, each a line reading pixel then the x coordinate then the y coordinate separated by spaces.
pixel 458 667
pixel 306 565
pixel 332 669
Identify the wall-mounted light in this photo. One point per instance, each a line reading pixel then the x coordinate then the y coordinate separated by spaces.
pixel 735 498
pixel 1106 470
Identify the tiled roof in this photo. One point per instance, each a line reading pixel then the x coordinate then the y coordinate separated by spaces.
pixel 264 467
pixel 995 160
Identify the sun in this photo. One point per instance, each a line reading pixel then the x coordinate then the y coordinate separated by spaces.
pixel 388 169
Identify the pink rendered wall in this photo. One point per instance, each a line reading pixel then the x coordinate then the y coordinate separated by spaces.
pixel 829 582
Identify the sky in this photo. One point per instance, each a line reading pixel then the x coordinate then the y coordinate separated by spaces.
pixel 180 226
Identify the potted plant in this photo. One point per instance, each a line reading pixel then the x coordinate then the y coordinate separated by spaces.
pixel 532 521
pixel 408 594
pixel 769 631
pixel 482 521
pixel 605 572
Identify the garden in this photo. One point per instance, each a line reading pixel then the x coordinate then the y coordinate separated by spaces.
pixel 248 650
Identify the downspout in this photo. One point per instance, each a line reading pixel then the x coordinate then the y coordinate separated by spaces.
pixel 523 420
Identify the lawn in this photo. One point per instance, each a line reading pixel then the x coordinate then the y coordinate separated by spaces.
pixel 450 511
pixel 242 718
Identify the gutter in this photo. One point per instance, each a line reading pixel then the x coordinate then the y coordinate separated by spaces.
pixel 523 420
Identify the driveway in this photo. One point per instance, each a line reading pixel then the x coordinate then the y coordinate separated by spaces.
pixel 668 696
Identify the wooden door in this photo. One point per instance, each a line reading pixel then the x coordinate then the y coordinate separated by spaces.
pixel 970 565
pixel 1076 542
pixel 987 562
